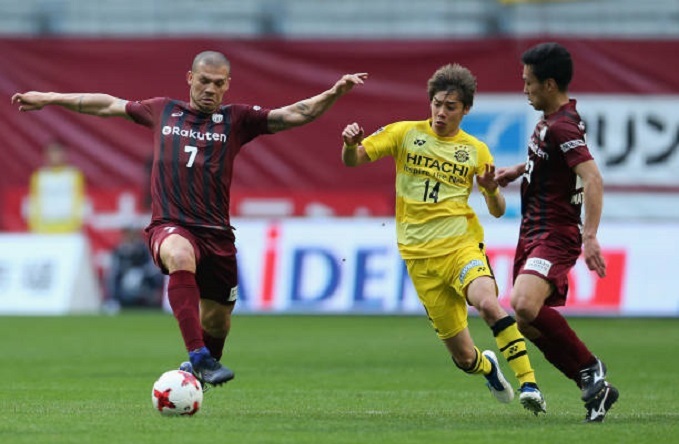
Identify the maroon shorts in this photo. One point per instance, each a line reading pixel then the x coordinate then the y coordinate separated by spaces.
pixel 550 258
pixel 215 250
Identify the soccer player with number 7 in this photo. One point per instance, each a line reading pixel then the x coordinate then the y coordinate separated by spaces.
pixel 439 235
pixel 190 235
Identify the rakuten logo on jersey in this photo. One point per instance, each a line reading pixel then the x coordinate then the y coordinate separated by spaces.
pixel 177 131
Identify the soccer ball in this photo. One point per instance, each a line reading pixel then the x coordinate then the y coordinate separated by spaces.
pixel 177 393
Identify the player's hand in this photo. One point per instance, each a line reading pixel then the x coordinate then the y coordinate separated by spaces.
pixel 352 134
pixel 593 257
pixel 30 101
pixel 348 81
pixel 505 175
pixel 487 179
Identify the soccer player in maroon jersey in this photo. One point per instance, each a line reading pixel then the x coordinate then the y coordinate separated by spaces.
pixel 190 236
pixel 559 175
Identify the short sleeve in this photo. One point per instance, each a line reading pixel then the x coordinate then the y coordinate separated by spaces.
pixel 250 121
pixel 144 112
pixel 484 157
pixel 569 139
pixel 383 142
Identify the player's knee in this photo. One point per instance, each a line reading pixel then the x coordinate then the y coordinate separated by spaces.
pixel 489 308
pixel 180 259
pixel 482 294
pixel 524 308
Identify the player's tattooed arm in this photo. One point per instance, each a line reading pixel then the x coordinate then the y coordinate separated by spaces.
pixel 102 105
pixel 310 109
pixel 294 115
pixel 300 113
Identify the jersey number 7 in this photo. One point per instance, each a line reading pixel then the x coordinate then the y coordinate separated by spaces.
pixel 193 150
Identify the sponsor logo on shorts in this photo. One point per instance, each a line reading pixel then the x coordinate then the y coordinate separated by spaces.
pixel 542 266
pixel 467 268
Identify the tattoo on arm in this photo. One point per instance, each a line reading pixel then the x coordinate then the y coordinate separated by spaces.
pixel 300 113
pixel 80 104
pixel 305 110
pixel 276 122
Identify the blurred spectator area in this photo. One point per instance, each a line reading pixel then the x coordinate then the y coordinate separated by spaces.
pixel 340 19
pixel 282 50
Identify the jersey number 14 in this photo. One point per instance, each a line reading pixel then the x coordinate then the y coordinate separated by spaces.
pixel 433 193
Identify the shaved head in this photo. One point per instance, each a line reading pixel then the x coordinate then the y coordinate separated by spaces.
pixel 212 58
pixel 209 79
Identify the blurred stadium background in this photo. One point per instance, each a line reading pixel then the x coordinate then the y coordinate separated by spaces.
pixel 315 237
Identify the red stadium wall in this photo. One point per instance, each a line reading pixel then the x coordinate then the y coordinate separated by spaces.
pixel 298 170
pixel 303 162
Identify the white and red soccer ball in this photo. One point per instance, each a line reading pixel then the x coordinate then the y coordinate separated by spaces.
pixel 177 393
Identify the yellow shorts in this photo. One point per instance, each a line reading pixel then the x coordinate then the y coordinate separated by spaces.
pixel 441 283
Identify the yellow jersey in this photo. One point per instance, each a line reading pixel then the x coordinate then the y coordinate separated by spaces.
pixel 434 177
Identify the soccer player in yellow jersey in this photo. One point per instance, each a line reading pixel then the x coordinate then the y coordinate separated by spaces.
pixel 439 235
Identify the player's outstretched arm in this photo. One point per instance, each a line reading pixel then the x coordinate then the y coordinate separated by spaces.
pixel 310 109
pixel 505 175
pixel 102 105
pixel 353 153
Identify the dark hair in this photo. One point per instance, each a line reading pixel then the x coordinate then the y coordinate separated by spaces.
pixel 550 61
pixel 453 78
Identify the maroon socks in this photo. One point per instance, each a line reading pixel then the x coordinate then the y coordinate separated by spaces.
pixel 184 298
pixel 560 345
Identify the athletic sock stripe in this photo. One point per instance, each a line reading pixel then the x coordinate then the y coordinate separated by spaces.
pixel 518 355
pixel 477 365
pixel 512 343
pixel 502 325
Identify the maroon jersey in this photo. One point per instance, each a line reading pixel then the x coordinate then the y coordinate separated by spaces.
pixel 193 157
pixel 551 195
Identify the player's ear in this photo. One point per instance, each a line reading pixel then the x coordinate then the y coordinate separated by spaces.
pixel 189 77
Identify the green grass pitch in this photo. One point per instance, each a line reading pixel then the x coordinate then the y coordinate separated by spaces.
pixel 313 379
